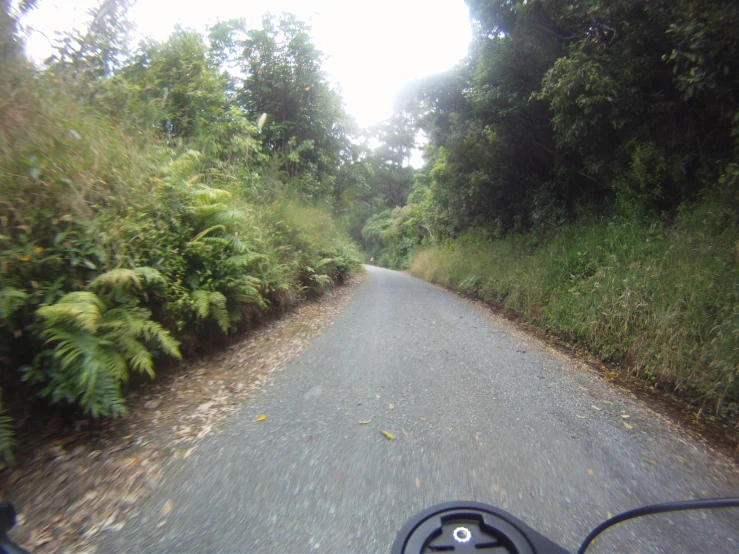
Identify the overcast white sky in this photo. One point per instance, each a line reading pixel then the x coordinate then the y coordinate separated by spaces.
pixel 373 46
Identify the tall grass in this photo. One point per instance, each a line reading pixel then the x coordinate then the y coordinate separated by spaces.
pixel 661 301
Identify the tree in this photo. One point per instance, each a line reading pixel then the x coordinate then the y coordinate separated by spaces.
pixel 306 123
pixel 390 160
pixel 96 51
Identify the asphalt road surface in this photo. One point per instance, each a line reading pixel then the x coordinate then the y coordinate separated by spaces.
pixel 480 412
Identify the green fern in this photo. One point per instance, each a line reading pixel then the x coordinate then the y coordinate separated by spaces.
pixel 213 304
pixel 208 210
pixel 82 310
pixel 184 166
pixel 11 300
pixel 122 282
pixel 208 194
pixel 126 327
pixel 244 260
pixel 85 369
pixel 200 235
pixel 91 349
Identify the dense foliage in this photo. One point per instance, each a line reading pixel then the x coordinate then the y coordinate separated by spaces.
pixel 147 202
pixel 599 142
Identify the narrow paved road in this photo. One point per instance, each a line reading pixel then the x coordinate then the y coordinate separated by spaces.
pixel 480 412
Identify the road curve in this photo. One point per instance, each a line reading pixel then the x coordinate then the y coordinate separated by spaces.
pixel 479 411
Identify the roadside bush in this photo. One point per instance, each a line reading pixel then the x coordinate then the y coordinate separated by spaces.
pixel 115 244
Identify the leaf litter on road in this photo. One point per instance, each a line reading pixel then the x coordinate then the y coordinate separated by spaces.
pixel 364 421
pixel 166 508
pixel 261 417
pixel 388 435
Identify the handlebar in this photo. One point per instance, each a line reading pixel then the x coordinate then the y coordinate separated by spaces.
pixel 468 527
pixel 7 521
pixel 463 527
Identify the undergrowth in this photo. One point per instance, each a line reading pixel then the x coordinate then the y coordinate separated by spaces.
pixel 117 245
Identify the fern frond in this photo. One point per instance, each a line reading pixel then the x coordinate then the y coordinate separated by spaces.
pixel 126 323
pixel 116 278
pixel 184 165
pixel 83 310
pixel 208 194
pixel 154 333
pixel 11 300
pixel 100 388
pixel 150 277
pixel 213 304
pixel 229 217
pixel 243 260
pixel 207 231
pixel 224 243
pixel 325 261
pixel 208 210
pixel 201 303
pixel 90 371
pixel 87 364
pixel 138 356
pixel 219 311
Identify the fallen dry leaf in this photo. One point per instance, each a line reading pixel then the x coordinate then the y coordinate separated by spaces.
pixel 261 417
pixel 625 416
pixel 166 508
pixel 391 406
pixel 650 462
pixel 378 396
pixel 418 483
pixel 388 435
pixel 627 425
pixel 405 433
pixel 423 419
pixel 590 472
pixel 595 407
pixel 364 421
pixel 580 416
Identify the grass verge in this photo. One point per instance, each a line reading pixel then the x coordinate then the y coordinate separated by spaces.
pixel 660 301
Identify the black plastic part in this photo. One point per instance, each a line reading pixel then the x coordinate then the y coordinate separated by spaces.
pixel 470 527
pixel 7 521
pixel 684 505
